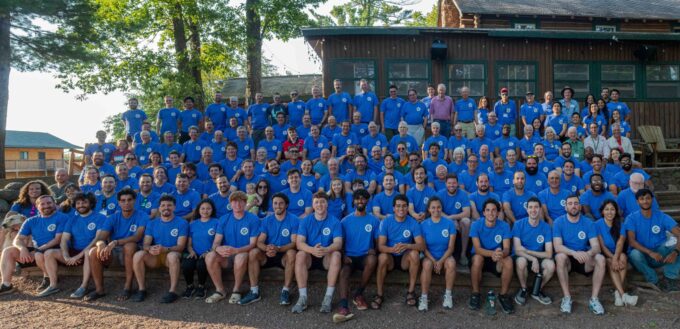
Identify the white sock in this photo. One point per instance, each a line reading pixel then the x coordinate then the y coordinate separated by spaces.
pixel 303 292
pixel 255 290
pixel 284 289
pixel 447 292
pixel 423 296
pixel 330 291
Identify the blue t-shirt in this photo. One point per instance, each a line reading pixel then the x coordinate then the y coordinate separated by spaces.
pixel 186 202
pixel 277 183
pixel 222 206
pixel 340 103
pixel 391 108
pixel 575 236
pixel 107 149
pixel 317 108
pixel 168 118
pixel 360 130
pixel 621 179
pixel 202 234
pixel 314 147
pixel 532 238
pixel 501 182
pixel 217 112
pixel 120 227
pixel 557 122
pixel 360 233
pixel 399 232
pixel 142 151
pixel 365 103
pixel 384 202
pixel 649 232
pixel 237 232
pixel 531 111
pixel 341 142
pixel 410 141
pixel 476 143
pixel 83 229
pixel 29 211
pixel 273 147
pixel 414 113
pixel 490 238
pixel 492 132
pixel 258 116
pixel 147 203
pixel 454 204
pixel 536 183
pixel 43 229
pixel 279 232
pixel 573 185
pixel 554 202
pixel 244 147
pixel 298 201
pixel 604 231
pixel 419 198
pixel 628 203
pixel 479 200
pixel 167 234
pixel 518 203
pixel 595 201
pixel 622 107
pixel 465 109
pixel 192 150
pixel 368 142
pixel 320 232
pixel 437 235
pixel 190 118
pixel 507 113
pixel 133 121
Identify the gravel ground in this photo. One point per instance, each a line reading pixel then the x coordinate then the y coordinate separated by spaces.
pixel 23 310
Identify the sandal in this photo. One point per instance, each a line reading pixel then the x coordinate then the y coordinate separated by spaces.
pixel 377 301
pixel 94 296
pixel 411 298
pixel 125 295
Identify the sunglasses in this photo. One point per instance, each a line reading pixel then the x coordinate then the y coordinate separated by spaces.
pixel 294 94
pixel 129 159
pixel 261 187
pixel 401 149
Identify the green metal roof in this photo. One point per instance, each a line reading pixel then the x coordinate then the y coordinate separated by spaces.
pixel 34 139
pixel 315 33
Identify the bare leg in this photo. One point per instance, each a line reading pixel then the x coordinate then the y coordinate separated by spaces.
pixel 334 264
pixel 302 263
pixel 412 260
pixel 9 258
pixel 450 276
pixel 212 262
pixel 426 276
pixel 96 269
pixel 598 275
pixel 476 272
pixel 506 275
pixel 548 271
pixel 128 254
pixel 255 260
pixel 240 268
pixel 289 268
pixel 562 270
pixel 522 271
pixel 173 263
pixel 385 261
pixel 51 265
pixel 86 269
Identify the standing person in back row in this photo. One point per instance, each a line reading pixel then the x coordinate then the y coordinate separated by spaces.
pixel 506 110
pixel 465 113
pixel 367 103
pixel 133 119
pixel 441 110
pixel 189 117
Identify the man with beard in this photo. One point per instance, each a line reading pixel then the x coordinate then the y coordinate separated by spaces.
pixel 106 200
pixel 360 172
pixel 275 248
pixel 319 244
pixel 124 179
pixel 467 178
pixel 147 199
pixel 598 168
pixel 567 155
pixel 506 142
pixel 117 239
pixel 103 167
pixel 592 200
pixel 647 236
pixel 76 240
pixel 491 241
pixel 276 178
pixel 100 146
pixel 621 179
pixel 577 248
pixel 456 207
pixel 433 160
pixel 221 197
pixel 626 200
pixel 347 160
pixel 570 182
pixel 419 194
pixel 342 140
pixel 186 199
pixel 400 242
pixel 217 112
pixel 501 178
pixel 535 180
pixel 382 202
pixel 478 198
pixel 164 242
pixel 361 236
pixel 333 172
pixel 235 237
pixel 515 199
pixel 554 198
pixel 532 239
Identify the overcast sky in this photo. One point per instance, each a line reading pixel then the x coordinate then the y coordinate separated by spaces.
pixel 35 105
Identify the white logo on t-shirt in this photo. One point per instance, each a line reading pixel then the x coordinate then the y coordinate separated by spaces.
pixel 540 239
pixel 445 233
pixel 91 226
pixel 211 231
pixel 173 114
pixel 497 132
pixel 301 203
pixel 244 231
pixel 326 231
pixel 51 227
pixel 320 145
pixel 193 115
pixel 133 228
pixel 425 200
pixel 377 143
pixel 582 235
pixel 369 98
pixel 186 203
pixel 274 147
pixel 310 184
pixel 246 147
pixel 283 182
pixel 174 232
pixel 406 233
pixel 344 100
pixel 656 229
pixel 457 205
pixel 368 228
pixel 349 141
pixel 507 181
pixel 498 238
pixel 539 183
pixel 285 232
pixel 198 147
pixel 563 203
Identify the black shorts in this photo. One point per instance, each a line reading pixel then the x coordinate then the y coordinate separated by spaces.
pixel 397 262
pixel 317 263
pixel 275 261
pixel 33 249
pixel 578 267
pixel 489 266
pixel 357 262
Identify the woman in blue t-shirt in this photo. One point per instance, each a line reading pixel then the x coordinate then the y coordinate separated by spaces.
pixel 613 244
pixel 25 204
pixel 201 235
pixel 338 199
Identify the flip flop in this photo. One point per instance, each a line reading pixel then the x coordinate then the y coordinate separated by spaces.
pixel 125 295
pixel 92 296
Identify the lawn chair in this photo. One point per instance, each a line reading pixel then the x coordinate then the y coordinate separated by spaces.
pixel 653 138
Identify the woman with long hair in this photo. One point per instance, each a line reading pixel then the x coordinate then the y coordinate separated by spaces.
pixel 308 178
pixel 68 206
pixel 25 204
pixel 262 189
pixel 616 118
pixel 338 199
pixel 595 116
pixel 483 108
pixel 613 246
pixel 201 235
pixel 439 234
pixel 91 182
pixel 590 99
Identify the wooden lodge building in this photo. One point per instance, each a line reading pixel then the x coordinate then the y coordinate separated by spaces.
pixel 525 45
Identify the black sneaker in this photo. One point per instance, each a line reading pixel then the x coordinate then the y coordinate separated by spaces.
pixel 199 293
pixel 521 296
pixel 6 289
pixel 189 292
pixel 139 296
pixel 475 302
pixel 44 284
pixel 169 297
pixel 506 304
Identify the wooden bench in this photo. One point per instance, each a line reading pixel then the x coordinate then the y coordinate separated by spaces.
pixel 662 156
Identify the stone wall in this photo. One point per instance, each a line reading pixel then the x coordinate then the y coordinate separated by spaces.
pixel 665 179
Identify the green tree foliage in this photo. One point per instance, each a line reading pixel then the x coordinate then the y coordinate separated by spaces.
pixel 41 35
pixel 425 20
pixel 369 13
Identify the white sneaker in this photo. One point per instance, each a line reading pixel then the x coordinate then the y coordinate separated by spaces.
pixel 565 307
pixel 617 299
pixel 595 306
pixel 629 300
pixel 448 302
pixel 422 304
pixel 301 305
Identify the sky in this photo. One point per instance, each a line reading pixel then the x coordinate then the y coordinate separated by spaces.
pixel 36 105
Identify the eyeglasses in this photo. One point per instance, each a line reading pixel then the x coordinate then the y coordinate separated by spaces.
pixel 400 149
pixel 261 187
pixel 293 94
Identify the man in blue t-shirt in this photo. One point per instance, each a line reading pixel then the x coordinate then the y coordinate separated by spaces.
pixel 118 240
pixel 577 249
pixel 235 237
pixel 189 117
pixel 400 243
pixel 339 103
pixel 515 199
pixel 168 119
pixel 217 112
pixel 44 231
pixel 319 243
pixel 532 239
pixel 133 119
pixel 650 248
pixel 361 236
pixel 593 199
pixel 76 240
pixel 275 248
pixel 491 243
pixel 100 146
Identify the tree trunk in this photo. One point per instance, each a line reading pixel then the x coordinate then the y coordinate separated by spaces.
pixel 253 50
pixel 195 50
pixel 5 53
pixel 180 38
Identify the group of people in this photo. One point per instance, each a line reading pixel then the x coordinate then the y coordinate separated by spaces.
pixel 350 184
